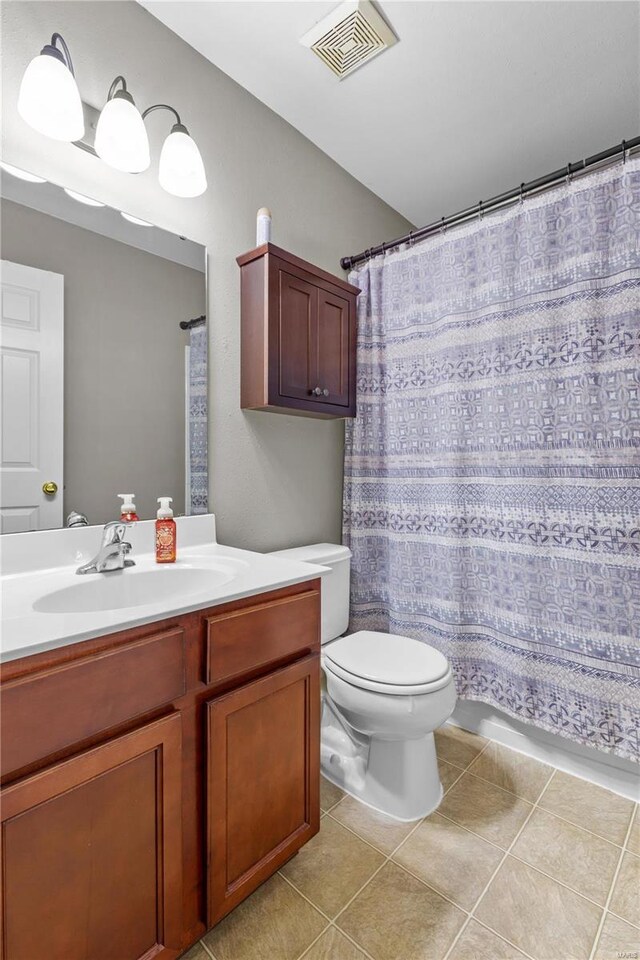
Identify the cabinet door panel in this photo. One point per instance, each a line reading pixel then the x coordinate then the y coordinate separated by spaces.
pixel 263 780
pixel 296 347
pixel 91 853
pixel 334 337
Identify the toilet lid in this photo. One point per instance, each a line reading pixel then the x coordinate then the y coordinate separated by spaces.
pixel 387 658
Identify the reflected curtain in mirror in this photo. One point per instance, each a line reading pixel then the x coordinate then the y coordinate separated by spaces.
pixel 197 422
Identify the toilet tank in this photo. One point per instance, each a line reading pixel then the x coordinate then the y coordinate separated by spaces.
pixel 335 585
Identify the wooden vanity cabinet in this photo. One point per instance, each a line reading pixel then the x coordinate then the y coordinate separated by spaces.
pixel 298 336
pixel 132 824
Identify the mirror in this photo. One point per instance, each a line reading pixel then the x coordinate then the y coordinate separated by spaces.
pixel 103 375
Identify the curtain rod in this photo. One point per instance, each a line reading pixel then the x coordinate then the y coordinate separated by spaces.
pixel 484 206
pixel 188 324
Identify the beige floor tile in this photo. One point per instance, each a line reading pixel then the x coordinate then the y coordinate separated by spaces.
pixel 485 809
pixel 588 806
pixel 275 921
pixel 329 794
pixel 448 774
pixel 618 939
pixel 396 917
pixel 383 832
pixel 332 867
pixel 458 746
pixel 543 918
pixel 478 943
pixel 448 858
pixel 626 893
pixel 584 862
pixel 333 945
pixel 512 771
pixel 197 952
pixel 633 843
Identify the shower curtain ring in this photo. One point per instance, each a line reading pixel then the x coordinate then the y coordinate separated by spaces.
pixel 443 225
pixel 411 240
pixel 522 193
pixel 569 173
pixel 624 152
pixel 480 210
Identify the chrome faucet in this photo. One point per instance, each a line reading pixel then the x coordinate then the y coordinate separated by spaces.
pixel 113 551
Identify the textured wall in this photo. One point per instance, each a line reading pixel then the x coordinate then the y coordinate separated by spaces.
pixel 275 480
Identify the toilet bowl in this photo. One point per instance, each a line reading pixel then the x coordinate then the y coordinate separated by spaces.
pixel 384 695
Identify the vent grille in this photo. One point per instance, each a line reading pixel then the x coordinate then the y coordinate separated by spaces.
pixel 349 37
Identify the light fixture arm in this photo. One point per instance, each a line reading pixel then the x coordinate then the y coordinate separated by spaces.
pixel 162 106
pixel 64 55
pixel 114 86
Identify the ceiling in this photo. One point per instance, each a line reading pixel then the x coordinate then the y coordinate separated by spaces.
pixel 474 99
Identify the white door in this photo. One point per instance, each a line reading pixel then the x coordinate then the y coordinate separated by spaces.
pixel 31 398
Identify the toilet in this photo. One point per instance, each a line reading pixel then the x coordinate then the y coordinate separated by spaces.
pixel 384 695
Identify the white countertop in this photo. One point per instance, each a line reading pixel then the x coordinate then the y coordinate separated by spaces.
pixel 29 626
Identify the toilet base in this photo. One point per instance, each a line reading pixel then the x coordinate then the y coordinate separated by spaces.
pixel 399 778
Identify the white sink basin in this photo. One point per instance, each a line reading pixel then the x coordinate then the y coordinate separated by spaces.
pixel 134 588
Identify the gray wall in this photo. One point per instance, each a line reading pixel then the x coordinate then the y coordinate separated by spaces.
pixel 124 407
pixel 274 480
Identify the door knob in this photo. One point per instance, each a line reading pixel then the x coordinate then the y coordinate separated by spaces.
pixel 50 488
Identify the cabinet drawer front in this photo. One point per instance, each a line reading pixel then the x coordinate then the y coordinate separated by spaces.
pixel 47 712
pixel 242 640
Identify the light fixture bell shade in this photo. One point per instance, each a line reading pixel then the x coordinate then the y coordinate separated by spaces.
pixel 121 136
pixel 49 99
pixel 181 171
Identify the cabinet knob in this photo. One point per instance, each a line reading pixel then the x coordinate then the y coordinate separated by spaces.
pixel 325 392
pixel 316 392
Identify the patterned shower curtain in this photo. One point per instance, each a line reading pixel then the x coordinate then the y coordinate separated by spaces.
pixel 492 476
pixel 198 422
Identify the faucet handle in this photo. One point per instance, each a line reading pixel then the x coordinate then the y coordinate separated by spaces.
pixel 114 531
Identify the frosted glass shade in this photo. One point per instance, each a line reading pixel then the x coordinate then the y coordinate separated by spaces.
pixel 181 170
pixel 49 100
pixel 121 136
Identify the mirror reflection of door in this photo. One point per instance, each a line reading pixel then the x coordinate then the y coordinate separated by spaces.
pixel 31 397
pixel 133 418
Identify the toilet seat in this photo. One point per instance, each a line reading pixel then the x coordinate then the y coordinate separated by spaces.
pixel 387 663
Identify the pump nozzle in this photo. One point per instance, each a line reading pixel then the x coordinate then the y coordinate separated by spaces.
pixel 165 510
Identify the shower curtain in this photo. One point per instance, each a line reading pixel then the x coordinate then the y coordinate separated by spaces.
pixel 197 423
pixel 492 476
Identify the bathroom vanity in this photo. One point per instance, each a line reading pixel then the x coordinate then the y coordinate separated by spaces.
pixel 154 775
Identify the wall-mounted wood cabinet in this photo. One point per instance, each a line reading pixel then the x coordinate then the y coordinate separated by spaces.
pixel 154 778
pixel 298 336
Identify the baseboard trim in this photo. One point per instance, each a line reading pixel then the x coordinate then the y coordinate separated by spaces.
pixel 606 770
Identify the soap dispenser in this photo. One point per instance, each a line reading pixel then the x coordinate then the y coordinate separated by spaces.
pixel 166 532
pixel 128 508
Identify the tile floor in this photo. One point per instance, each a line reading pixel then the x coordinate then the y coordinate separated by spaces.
pixel 519 861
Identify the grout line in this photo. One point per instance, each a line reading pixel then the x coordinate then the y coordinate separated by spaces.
pixel 206 948
pixel 305 897
pixel 314 941
pixel 488 884
pixel 611 889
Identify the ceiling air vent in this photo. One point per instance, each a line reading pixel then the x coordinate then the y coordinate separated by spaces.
pixel 349 37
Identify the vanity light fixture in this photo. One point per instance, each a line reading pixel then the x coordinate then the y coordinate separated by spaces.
pixel 121 136
pixel 137 220
pixel 181 170
pixel 82 198
pixel 21 174
pixel 49 99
